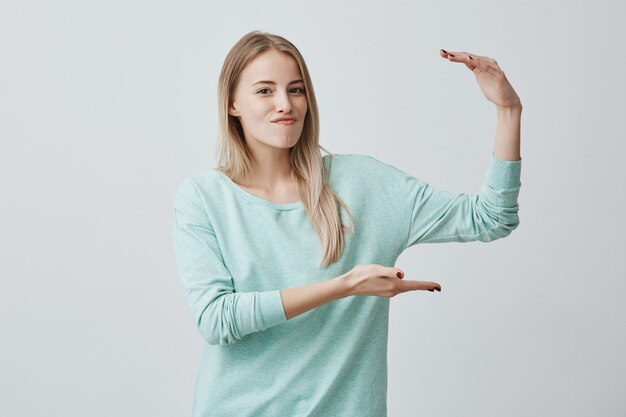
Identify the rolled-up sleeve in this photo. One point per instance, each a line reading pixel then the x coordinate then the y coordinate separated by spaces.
pixel 440 216
pixel 222 315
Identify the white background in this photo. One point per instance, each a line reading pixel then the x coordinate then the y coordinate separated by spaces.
pixel 106 106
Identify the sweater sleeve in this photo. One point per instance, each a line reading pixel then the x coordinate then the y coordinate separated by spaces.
pixel 222 315
pixel 440 216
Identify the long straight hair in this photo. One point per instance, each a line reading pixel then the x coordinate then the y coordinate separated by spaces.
pixel 235 160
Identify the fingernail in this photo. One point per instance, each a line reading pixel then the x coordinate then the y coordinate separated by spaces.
pixel 431 290
pixel 451 55
pixel 471 58
pixel 399 274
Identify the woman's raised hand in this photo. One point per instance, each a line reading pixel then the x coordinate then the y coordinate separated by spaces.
pixel 490 78
pixel 382 281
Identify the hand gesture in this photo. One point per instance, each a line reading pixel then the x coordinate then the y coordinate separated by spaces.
pixel 490 78
pixel 383 281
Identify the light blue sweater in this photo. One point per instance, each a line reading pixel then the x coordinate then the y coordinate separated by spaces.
pixel 235 251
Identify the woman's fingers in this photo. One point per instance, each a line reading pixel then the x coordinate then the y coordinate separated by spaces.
pixel 411 285
pixel 460 55
pixel 408 285
pixel 471 61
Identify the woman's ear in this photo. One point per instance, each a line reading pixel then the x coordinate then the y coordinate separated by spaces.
pixel 233 111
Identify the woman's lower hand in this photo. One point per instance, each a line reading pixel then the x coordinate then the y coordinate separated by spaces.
pixel 382 281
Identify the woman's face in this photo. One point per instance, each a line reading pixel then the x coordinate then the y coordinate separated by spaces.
pixel 270 87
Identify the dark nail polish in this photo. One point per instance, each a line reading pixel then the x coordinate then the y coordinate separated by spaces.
pixel 399 274
pixel 471 58
pixel 451 55
pixel 444 51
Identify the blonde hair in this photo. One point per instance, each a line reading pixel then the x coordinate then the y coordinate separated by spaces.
pixel 235 160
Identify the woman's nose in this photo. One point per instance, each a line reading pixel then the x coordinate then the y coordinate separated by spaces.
pixel 283 102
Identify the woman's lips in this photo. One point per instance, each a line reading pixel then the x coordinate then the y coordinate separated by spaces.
pixel 285 122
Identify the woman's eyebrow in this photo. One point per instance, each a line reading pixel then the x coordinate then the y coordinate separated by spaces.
pixel 273 83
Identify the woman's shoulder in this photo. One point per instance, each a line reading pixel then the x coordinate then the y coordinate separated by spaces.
pixel 352 160
pixel 199 183
pixel 361 163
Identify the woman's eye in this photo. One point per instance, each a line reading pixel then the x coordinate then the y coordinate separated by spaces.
pixel 297 90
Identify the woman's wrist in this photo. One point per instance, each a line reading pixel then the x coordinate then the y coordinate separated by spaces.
pixel 340 286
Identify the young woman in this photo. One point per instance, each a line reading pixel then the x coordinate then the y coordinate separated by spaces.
pixel 291 302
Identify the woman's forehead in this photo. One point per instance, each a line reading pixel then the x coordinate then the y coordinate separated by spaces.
pixel 273 67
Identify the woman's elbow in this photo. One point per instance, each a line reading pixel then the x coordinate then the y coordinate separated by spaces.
pixel 504 228
pixel 214 334
pixel 214 339
pixel 214 328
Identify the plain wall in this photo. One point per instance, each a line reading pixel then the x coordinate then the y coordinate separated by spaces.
pixel 106 106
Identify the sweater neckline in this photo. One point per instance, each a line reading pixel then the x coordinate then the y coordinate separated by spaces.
pixel 257 200
pixel 261 201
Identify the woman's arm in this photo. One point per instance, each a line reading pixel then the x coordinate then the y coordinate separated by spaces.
pixel 363 279
pixel 507 142
pixel 497 89
pixel 301 299
pixel 440 216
